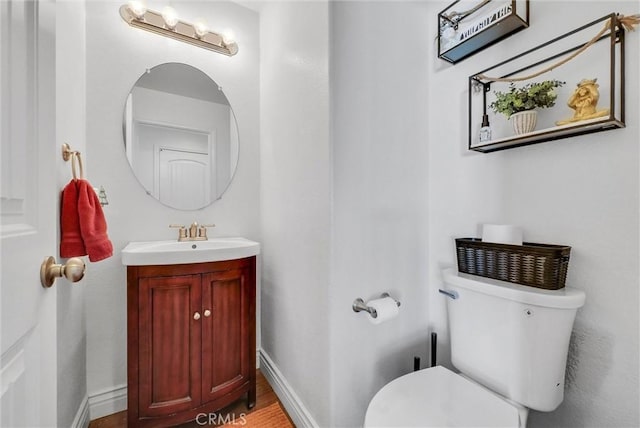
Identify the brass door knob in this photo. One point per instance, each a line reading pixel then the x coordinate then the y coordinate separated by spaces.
pixel 73 270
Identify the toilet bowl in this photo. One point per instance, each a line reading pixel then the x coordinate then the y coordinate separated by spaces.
pixel 438 397
pixel 510 344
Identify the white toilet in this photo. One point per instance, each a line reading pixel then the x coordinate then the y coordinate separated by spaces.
pixel 509 343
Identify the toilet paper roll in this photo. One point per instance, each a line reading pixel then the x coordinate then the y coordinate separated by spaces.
pixel 502 234
pixel 386 307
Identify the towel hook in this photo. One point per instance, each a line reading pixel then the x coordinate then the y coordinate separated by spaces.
pixel 74 155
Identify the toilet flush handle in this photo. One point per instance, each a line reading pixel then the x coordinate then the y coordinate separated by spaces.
pixel 452 294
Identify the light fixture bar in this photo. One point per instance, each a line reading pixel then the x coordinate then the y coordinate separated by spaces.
pixel 152 21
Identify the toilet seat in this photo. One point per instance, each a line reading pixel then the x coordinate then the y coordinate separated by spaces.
pixel 438 397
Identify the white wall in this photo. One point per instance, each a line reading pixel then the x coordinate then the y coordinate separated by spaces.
pixel 379 111
pixel 70 128
pixel 295 197
pixel 117 55
pixel 581 191
pixel 375 238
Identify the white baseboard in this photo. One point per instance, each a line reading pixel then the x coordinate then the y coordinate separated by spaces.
pixel 114 400
pixel 290 400
pixel 82 417
pixel 108 402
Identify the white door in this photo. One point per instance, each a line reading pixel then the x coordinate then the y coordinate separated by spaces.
pixel 177 163
pixel 28 213
pixel 184 179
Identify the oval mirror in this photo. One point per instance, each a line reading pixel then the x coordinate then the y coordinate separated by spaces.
pixel 180 136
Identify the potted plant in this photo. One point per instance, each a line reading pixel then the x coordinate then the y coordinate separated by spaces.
pixel 519 104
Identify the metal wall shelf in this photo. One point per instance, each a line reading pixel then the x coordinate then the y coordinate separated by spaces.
pixel 603 60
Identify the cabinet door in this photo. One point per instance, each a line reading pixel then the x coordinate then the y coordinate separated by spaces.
pixel 169 344
pixel 227 331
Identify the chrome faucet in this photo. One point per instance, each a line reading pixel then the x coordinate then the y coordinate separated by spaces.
pixel 194 233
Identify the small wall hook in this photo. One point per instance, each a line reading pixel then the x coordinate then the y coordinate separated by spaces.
pixel 102 195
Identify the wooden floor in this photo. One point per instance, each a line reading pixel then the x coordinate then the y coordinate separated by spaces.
pixel 264 398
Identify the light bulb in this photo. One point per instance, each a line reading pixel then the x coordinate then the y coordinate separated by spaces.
pixel 137 8
pixel 228 37
pixel 200 28
pixel 170 17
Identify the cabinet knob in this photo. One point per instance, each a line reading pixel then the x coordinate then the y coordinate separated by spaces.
pixel 207 313
pixel 196 316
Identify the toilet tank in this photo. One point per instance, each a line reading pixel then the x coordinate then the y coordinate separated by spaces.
pixel 511 338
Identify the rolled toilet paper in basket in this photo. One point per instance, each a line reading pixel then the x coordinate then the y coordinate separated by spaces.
pixel 386 307
pixel 502 234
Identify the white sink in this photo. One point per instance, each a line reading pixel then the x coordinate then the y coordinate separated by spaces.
pixel 174 252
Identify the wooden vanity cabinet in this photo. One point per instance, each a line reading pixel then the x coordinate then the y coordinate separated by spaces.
pixel 191 340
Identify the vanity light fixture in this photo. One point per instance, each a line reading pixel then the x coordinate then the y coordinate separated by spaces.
pixel 167 23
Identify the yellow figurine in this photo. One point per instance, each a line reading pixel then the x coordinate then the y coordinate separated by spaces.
pixel 584 101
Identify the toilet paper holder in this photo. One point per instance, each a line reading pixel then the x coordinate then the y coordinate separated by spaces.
pixel 359 306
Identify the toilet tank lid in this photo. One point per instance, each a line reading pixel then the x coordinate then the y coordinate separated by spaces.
pixel 564 298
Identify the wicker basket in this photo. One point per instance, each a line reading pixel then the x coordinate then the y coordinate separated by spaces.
pixel 535 265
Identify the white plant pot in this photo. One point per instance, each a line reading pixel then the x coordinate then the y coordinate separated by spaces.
pixel 524 121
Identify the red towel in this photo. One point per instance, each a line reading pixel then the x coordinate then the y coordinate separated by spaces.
pixel 71 243
pixel 83 219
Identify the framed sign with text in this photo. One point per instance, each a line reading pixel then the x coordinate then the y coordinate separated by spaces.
pixel 468 26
